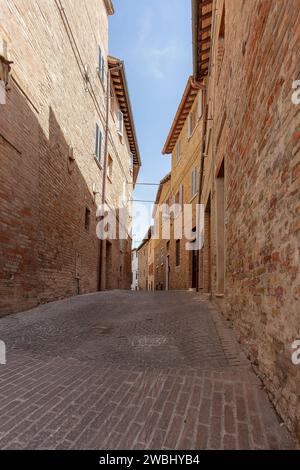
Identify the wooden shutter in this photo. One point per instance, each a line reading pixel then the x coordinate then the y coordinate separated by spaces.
pixel 120 122
pixel 97 141
pixel 100 146
pixel 200 105
pixel 189 128
pixel 102 69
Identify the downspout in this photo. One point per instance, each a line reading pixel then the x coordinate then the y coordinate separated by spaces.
pixel 101 244
pixel 208 83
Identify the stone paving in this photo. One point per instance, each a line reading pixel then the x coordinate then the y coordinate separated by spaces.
pixel 130 370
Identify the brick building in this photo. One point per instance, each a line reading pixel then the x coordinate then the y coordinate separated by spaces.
pixel 151 261
pixel 134 270
pixel 247 55
pixel 161 241
pixel 61 138
pixel 183 144
pixel 143 262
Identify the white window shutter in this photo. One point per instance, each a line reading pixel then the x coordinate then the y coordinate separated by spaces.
pixel 100 60
pixel 189 128
pixel 97 141
pixel 200 105
pixel 102 69
pixel 120 122
pixel 131 161
pixel 100 146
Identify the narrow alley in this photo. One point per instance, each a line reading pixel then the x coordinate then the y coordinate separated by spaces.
pixel 124 370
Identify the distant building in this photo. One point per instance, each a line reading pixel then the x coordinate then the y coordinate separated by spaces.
pixel 176 266
pixel 143 262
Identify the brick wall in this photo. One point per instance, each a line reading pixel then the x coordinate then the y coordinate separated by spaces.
pixel 46 251
pixel 181 174
pixel 256 131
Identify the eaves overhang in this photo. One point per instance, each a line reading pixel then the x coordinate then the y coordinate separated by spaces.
pixel 202 12
pixel 187 101
pixel 119 80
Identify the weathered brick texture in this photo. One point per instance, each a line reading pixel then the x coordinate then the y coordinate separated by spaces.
pixel 46 252
pixel 255 129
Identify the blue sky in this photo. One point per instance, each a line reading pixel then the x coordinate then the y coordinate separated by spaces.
pixel 154 39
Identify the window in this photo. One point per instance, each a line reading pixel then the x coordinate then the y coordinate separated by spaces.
pixel 120 122
pixel 191 123
pixel 178 150
pixel 131 163
pixel 179 200
pixel 200 105
pixel 112 103
pixel 221 43
pixel 177 252
pixel 101 66
pixel 98 148
pixel 124 195
pixel 110 167
pixel 87 219
pixel 179 196
pixel 194 182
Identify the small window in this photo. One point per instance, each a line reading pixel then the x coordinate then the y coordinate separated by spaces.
pixel 200 105
pixel 194 182
pixel 120 122
pixel 87 219
pixel 101 66
pixel 191 123
pixel 178 150
pixel 98 147
pixel 178 200
pixel 110 167
pixel 179 196
pixel 177 252
pixel 131 162
pixel 112 103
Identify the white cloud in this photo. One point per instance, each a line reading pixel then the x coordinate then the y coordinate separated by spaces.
pixel 156 57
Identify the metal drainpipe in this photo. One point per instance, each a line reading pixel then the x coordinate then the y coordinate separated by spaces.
pixel 208 80
pixel 101 244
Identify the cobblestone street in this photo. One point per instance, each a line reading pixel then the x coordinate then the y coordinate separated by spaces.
pixel 130 370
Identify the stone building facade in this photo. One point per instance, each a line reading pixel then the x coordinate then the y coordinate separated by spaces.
pixel 247 55
pixel 151 261
pixel 53 142
pixel 135 270
pixel 176 261
pixel 161 235
pixel 143 262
